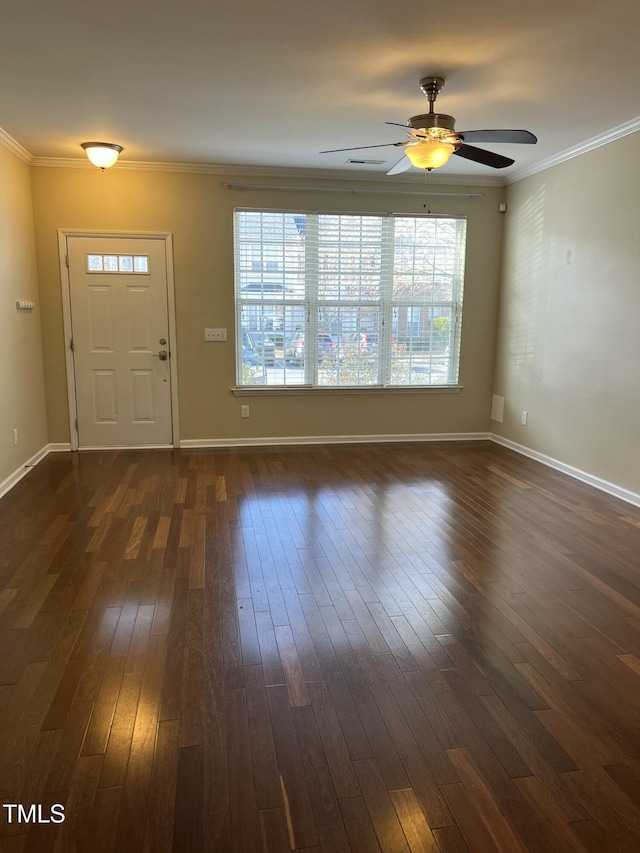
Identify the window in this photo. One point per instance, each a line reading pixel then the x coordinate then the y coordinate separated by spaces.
pixel 344 300
pixel 118 263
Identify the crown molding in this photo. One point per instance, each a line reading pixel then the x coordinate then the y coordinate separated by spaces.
pixel 568 154
pixel 231 170
pixel 411 178
pixel 12 145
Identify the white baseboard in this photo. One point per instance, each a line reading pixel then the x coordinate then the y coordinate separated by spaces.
pixel 584 477
pixel 7 484
pixel 333 439
pixel 126 447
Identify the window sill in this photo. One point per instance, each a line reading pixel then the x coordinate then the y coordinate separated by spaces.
pixel 308 390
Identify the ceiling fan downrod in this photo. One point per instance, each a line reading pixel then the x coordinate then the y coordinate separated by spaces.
pixel 431 86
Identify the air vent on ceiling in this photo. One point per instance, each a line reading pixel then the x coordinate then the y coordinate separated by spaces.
pixel 366 162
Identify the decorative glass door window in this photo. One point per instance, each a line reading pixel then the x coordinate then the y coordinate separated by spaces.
pixel 118 263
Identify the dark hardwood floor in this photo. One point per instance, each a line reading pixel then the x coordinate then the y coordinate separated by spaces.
pixel 390 647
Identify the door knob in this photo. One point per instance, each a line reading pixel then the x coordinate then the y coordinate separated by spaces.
pixel 163 355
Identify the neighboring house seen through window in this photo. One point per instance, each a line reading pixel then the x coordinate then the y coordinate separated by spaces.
pixel 344 300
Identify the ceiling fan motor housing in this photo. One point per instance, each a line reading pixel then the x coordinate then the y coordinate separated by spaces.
pixel 435 120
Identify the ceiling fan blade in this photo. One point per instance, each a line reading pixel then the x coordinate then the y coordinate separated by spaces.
pixel 410 130
pixel 518 137
pixel 479 155
pixel 362 147
pixel 401 166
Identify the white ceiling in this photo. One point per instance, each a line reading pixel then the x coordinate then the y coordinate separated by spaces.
pixel 271 84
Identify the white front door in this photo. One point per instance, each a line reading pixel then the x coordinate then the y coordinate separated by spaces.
pixel 121 346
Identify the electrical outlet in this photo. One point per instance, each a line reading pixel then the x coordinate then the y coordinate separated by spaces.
pixel 215 334
pixel 524 418
pixel 244 411
pixel 15 436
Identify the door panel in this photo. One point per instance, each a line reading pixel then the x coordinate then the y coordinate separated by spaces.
pixel 139 317
pixel 142 402
pixel 100 319
pixel 104 397
pixel 119 315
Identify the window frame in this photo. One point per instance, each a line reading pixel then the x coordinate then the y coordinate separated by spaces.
pixel 386 304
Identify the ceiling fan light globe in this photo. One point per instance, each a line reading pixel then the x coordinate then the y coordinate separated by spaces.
pixel 429 154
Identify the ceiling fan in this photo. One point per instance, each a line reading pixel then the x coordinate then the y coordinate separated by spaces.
pixel 432 138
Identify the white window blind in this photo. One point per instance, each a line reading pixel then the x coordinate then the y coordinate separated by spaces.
pixel 348 300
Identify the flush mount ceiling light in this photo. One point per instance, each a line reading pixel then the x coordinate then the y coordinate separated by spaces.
pixel 102 154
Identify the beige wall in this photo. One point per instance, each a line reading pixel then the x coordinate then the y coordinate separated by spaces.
pixel 197 210
pixel 569 334
pixel 21 376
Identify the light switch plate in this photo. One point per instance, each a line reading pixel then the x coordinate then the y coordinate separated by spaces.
pixel 215 334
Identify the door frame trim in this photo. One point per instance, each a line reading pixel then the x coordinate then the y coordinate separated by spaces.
pixel 65 285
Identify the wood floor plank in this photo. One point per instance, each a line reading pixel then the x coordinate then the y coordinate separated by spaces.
pixel 333 740
pixel 297 802
pixel 188 826
pixel 161 535
pixel 248 634
pixel 215 782
pixel 175 643
pixel 358 825
pixel 191 716
pixel 37 769
pixel 160 820
pixel 383 816
pixel 274 831
pixel 64 696
pixel 132 548
pixel 417 769
pixel 560 831
pixel 25 715
pixel 101 822
pixel 328 819
pixel 531 753
pixel 268 792
pixel 140 638
pixel 416 829
pixel 245 827
pixel 164 602
pixel 450 840
pixel 269 654
pixel 481 728
pixel 79 805
pixel 293 674
pixel 614 815
pixel 479 794
pixel 135 796
pixel 309 661
pixel 68 753
pixel 35 601
pixel 97 654
pixel 419 723
pixel 95 741
pixel 116 755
